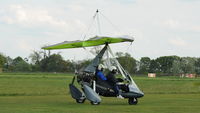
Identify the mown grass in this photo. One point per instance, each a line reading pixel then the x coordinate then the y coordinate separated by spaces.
pixel 49 93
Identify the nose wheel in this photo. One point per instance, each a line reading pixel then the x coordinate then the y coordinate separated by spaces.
pixel 132 101
pixel 80 100
pixel 95 103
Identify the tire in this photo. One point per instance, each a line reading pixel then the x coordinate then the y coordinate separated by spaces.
pixel 80 100
pixel 95 103
pixel 132 101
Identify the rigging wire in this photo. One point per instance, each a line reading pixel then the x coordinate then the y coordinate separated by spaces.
pixel 117 29
pixel 129 46
pixel 87 56
pixel 98 29
pixel 97 21
pixel 90 25
pixel 113 25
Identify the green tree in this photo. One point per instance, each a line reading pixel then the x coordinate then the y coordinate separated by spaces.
pixel 197 66
pixel 176 67
pixel 154 67
pixel 36 57
pixel 79 65
pixel 55 63
pixel 9 64
pixel 165 63
pixel 128 62
pixel 2 62
pixel 144 65
pixel 188 64
pixel 119 54
pixel 20 65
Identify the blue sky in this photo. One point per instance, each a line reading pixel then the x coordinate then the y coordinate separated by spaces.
pixel 160 27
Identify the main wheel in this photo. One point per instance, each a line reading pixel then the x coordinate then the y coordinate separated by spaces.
pixel 80 100
pixel 95 103
pixel 132 101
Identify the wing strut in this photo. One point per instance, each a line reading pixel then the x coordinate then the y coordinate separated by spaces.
pixel 124 73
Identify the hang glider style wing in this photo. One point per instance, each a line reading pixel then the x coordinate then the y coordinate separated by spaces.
pixel 95 41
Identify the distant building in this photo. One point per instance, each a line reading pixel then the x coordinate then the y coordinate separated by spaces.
pixel 152 75
pixel 190 75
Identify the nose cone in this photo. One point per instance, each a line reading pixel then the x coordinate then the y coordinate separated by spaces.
pixel 141 94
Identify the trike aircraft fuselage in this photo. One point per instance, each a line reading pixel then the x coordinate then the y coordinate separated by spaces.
pixel 91 86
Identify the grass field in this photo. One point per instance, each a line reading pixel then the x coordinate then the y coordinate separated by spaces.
pixel 49 93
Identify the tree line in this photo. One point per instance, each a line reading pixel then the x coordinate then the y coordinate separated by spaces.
pixel 44 61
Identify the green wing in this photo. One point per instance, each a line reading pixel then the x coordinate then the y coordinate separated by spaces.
pixel 87 43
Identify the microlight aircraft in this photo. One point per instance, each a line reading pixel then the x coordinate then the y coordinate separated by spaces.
pixel 90 88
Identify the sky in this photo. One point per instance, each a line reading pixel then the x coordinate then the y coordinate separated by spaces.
pixel 159 27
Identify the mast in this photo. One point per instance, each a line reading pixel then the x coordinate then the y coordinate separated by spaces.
pixel 98 22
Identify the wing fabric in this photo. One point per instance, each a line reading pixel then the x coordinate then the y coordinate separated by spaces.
pixel 95 41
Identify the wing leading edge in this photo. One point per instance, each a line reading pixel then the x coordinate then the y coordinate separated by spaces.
pixel 95 41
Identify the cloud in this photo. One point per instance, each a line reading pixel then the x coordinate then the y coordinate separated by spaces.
pixel 42 19
pixel 189 0
pixel 19 14
pixel 75 7
pixel 172 23
pixel 24 45
pixel 178 42
pixel 178 26
pixel 196 28
pixel 125 1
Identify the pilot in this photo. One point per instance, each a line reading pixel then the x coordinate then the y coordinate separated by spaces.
pixel 113 81
pixel 99 72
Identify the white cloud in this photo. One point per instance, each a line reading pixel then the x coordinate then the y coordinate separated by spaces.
pixel 29 17
pixel 195 28
pixel 177 25
pixel 76 7
pixel 172 23
pixel 24 45
pixel 178 42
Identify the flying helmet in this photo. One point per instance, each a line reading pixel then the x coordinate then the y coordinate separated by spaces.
pixel 113 69
pixel 101 66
